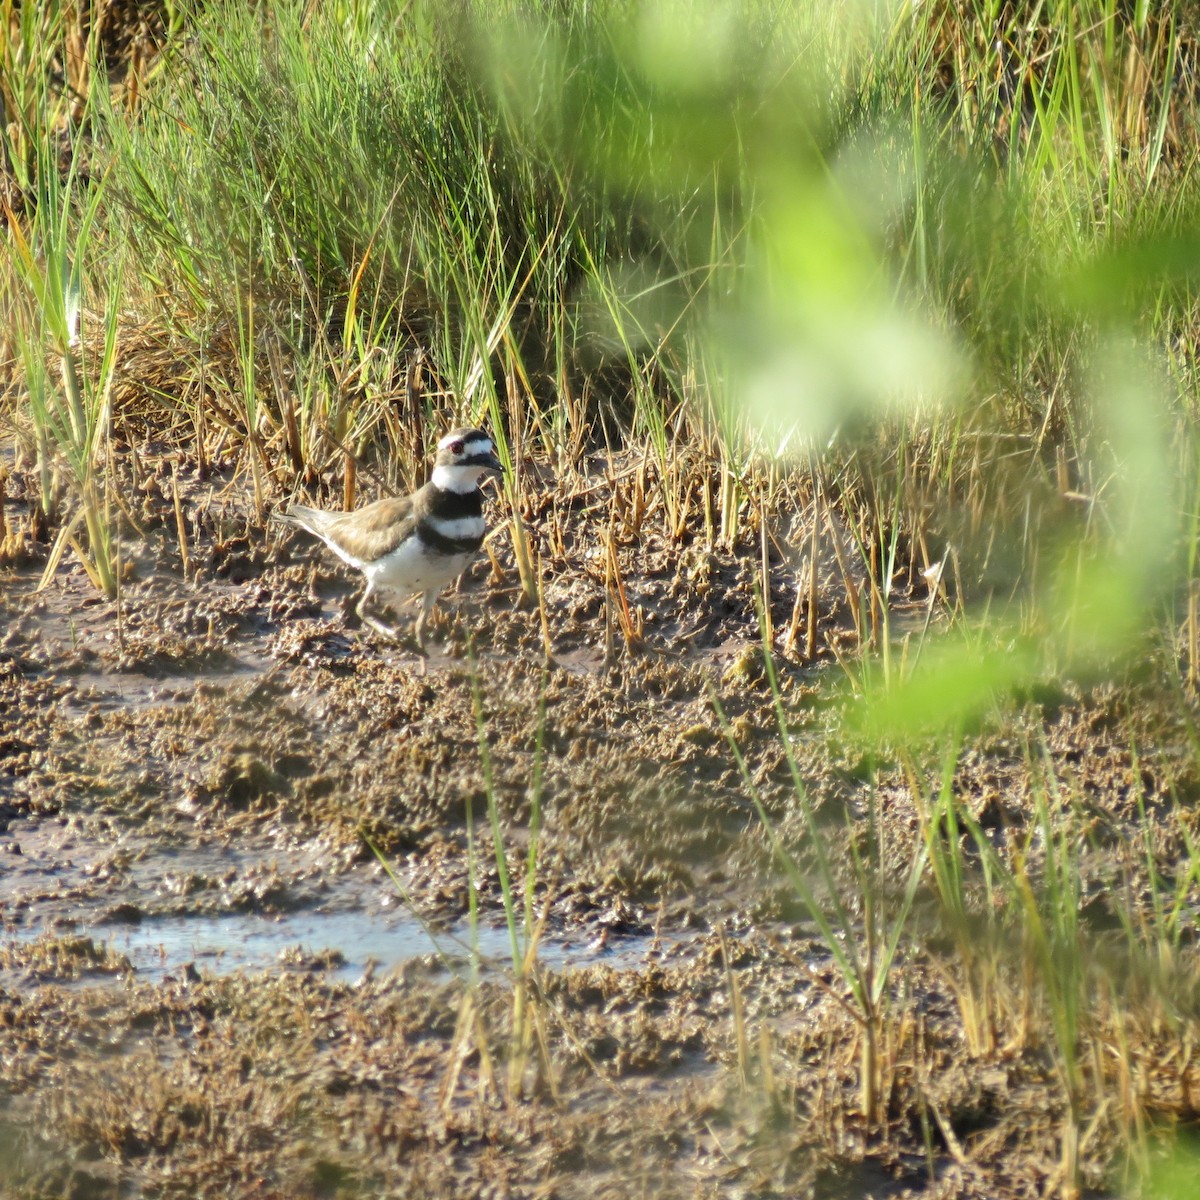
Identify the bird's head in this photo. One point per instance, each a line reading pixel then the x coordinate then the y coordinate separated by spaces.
pixel 464 456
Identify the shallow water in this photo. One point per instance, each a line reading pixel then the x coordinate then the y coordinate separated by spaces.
pixel 224 908
pixel 348 945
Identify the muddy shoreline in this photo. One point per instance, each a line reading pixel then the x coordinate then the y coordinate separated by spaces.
pixel 223 747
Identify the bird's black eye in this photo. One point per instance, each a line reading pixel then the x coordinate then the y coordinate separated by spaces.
pixel 456 447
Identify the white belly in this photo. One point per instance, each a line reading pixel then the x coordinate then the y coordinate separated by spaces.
pixel 410 569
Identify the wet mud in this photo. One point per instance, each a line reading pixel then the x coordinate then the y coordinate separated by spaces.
pixel 246 850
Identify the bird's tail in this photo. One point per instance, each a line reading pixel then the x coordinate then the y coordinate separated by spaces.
pixel 297 516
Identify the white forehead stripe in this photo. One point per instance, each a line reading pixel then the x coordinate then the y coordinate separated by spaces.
pixel 466 439
pixel 475 445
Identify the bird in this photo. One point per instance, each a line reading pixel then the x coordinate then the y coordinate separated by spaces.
pixel 415 543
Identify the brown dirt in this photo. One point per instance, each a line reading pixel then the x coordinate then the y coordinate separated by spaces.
pixel 220 740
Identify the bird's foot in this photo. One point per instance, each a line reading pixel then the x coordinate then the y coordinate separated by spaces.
pixel 391 632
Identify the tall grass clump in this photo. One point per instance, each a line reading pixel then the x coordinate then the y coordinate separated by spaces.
pixel 864 931
pixel 348 173
pixel 898 234
pixel 61 287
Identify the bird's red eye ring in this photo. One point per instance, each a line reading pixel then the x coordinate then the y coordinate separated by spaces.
pixel 456 447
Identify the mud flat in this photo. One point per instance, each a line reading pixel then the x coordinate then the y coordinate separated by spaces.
pixel 188 783
pixel 210 985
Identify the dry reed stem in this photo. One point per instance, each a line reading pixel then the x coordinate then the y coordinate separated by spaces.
pixel 543 613
pixel 179 522
pixel 810 635
pixel 852 592
pixel 765 572
pixel 615 584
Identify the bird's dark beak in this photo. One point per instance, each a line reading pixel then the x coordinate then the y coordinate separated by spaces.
pixel 493 464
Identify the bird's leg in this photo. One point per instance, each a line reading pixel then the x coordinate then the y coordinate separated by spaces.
pixel 368 592
pixel 428 600
pixel 368 619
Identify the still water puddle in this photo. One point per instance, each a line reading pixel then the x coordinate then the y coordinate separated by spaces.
pixel 223 908
pixel 345 944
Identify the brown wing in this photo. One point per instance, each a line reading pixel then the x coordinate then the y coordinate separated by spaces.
pixel 358 536
pixel 373 531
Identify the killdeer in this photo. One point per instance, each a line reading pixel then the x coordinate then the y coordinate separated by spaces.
pixel 416 543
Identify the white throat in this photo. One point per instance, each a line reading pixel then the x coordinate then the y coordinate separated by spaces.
pixel 461 479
